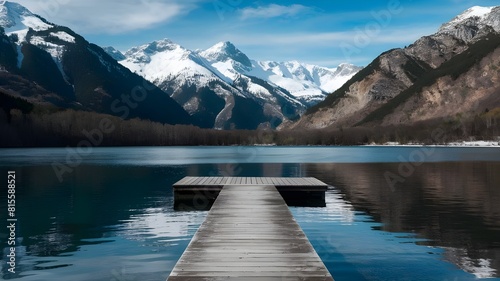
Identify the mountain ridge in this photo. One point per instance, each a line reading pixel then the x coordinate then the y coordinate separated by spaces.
pixel 223 71
pixel 372 95
pixel 81 74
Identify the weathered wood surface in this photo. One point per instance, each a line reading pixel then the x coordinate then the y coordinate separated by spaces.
pixel 249 234
pixel 221 181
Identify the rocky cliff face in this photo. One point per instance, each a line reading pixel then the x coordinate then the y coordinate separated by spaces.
pixel 472 93
pixel 43 61
pixel 453 71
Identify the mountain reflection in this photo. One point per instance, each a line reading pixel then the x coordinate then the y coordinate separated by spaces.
pixel 124 214
pixel 453 205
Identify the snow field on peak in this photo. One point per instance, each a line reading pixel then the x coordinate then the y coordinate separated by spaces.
pixel 298 83
pixel 484 15
pixel 476 11
pixel 164 65
pixel 15 18
pixel 63 36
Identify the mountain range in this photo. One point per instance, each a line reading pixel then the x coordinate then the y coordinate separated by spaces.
pixel 451 75
pixel 46 63
pixel 217 85
pixel 217 88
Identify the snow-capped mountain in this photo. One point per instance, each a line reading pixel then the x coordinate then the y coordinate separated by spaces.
pixel 72 71
pixel 226 53
pixel 17 21
pixel 468 24
pixel 15 18
pixel 280 91
pixel 114 53
pixel 453 72
pixel 307 83
pixel 164 60
pixel 189 79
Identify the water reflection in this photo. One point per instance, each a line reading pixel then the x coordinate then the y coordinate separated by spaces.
pixel 113 217
pixel 100 223
pixel 164 227
pixel 453 205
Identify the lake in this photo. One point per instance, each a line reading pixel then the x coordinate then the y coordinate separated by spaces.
pixel 392 213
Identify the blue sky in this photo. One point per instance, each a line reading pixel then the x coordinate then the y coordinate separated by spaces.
pixel 320 32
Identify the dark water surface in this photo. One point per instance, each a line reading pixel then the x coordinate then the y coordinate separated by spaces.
pixel 393 213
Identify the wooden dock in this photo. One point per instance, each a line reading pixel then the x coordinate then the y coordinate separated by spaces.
pixel 249 234
pixel 200 192
pixel 222 181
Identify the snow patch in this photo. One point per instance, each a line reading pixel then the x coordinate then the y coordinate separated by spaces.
pixel 56 51
pixel 35 23
pixel 260 91
pixel 16 19
pixel 477 15
pixel 63 36
pixel 476 11
pixel 164 60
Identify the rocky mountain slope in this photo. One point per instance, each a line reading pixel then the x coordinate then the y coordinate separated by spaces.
pixel 453 72
pixel 224 89
pixel 49 63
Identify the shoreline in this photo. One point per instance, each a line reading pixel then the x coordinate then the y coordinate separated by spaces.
pixel 451 144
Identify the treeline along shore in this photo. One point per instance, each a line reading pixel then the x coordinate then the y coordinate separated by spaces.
pixel 26 125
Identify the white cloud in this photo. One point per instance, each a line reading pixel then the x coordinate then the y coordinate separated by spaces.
pixel 394 36
pixel 109 16
pixel 273 11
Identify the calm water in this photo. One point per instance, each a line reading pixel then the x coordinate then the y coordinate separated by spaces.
pixel 436 217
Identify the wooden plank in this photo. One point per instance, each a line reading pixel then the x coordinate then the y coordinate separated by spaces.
pixel 309 181
pixel 223 180
pixel 216 181
pixel 198 181
pixel 299 184
pixel 204 181
pixel 234 180
pixel 245 237
pixel 186 181
pixel 182 181
pixel 213 181
pixel 276 181
pixel 271 181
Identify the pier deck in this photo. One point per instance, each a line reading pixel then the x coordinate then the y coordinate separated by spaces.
pixel 201 192
pixel 249 234
pixel 276 181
